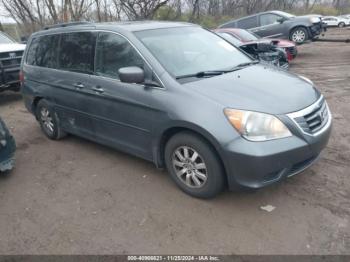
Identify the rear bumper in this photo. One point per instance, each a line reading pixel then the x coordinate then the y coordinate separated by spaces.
pixel 259 164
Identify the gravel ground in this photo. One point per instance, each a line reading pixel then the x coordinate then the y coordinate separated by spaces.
pixel 77 197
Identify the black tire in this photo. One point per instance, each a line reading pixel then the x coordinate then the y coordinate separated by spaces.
pixel 215 178
pixel 341 24
pixel 56 132
pixel 297 35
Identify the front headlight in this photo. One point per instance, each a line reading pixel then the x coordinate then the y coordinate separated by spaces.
pixel 255 126
pixel 315 20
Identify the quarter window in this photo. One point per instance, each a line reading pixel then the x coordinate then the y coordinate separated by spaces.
pixel 114 52
pixel 77 52
pixel 43 51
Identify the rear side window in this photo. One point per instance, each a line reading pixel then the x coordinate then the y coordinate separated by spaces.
pixel 77 52
pixel 114 52
pixel 247 23
pixel 43 51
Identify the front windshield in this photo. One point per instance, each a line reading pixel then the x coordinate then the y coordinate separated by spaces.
pixel 233 40
pixel 5 40
pixel 288 15
pixel 189 50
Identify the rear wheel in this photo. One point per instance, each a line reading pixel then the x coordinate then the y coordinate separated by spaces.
pixel 49 121
pixel 194 166
pixel 299 35
pixel 341 24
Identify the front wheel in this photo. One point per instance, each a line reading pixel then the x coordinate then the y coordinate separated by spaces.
pixel 341 24
pixel 299 35
pixel 194 166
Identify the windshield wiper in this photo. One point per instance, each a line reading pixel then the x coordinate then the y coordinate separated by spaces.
pixel 254 62
pixel 203 74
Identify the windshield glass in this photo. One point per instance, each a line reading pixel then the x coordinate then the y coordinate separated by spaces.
pixel 284 14
pixel 189 50
pixel 5 40
pixel 246 36
pixel 233 40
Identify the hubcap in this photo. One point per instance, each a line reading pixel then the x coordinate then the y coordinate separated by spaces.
pixel 190 167
pixel 46 120
pixel 298 36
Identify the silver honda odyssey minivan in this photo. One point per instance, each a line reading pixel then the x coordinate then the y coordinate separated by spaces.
pixel 177 95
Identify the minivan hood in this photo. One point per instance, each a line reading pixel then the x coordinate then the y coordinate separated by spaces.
pixel 258 88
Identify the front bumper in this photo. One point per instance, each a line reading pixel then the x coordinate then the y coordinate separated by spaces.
pixel 258 164
pixel 317 29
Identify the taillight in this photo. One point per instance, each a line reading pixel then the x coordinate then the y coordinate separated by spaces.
pixel 21 77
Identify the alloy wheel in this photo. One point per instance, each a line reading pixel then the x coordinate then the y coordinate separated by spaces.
pixel 299 36
pixel 46 120
pixel 190 167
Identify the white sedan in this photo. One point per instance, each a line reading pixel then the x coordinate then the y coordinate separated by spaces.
pixel 336 21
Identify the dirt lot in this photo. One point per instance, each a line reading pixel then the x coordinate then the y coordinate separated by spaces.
pixel 77 197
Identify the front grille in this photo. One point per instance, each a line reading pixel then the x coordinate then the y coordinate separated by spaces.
pixel 314 118
pixel 10 59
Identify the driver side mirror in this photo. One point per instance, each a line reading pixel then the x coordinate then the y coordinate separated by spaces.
pixel 131 75
pixel 281 20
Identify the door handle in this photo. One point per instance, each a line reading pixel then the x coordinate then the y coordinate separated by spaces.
pixel 98 89
pixel 78 85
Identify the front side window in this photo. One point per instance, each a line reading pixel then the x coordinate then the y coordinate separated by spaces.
pixel 189 50
pixel 77 52
pixel 247 23
pixel 43 51
pixel 114 52
pixel 269 19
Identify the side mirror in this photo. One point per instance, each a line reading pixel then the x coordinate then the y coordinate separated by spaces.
pixel 132 74
pixel 281 20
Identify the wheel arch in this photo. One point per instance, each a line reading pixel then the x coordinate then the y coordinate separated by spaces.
pixel 169 132
pixel 35 103
pixel 299 26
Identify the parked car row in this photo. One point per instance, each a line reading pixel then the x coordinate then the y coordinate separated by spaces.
pixel 277 24
pixel 181 97
pixel 275 52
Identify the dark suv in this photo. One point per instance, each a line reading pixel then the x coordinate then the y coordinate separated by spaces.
pixel 179 96
pixel 278 24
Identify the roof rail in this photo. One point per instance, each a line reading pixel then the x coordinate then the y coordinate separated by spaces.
pixel 66 24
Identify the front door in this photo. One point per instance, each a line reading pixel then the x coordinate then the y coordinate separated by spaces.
pixel 270 26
